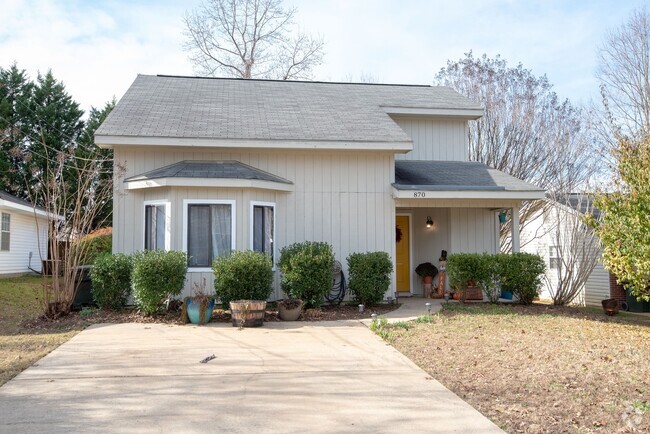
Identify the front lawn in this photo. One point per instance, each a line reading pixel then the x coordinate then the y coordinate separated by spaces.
pixel 538 368
pixel 20 346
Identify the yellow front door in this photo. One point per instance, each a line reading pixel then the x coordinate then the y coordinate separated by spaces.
pixel 403 255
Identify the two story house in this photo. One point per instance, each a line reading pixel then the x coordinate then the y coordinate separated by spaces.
pixel 220 164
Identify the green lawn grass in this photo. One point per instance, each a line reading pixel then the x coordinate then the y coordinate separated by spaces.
pixel 20 347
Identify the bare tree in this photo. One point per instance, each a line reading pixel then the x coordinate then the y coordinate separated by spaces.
pixel 577 245
pixel 73 192
pixel 526 130
pixel 624 74
pixel 250 39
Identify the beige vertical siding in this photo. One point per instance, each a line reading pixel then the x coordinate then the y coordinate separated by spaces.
pixel 26 236
pixel 473 230
pixel 343 198
pixel 435 139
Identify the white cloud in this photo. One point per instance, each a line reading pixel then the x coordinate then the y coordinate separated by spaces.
pixel 97 48
pixel 96 51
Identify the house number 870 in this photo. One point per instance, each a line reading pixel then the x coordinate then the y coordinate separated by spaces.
pixel 418 194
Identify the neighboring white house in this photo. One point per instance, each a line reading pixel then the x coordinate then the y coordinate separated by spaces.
pixel 23 229
pixel 214 164
pixel 549 234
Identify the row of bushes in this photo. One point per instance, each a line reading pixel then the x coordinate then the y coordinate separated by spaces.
pixel 154 276
pixel 518 273
pixel 306 271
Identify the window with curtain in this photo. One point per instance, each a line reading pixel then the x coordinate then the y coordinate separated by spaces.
pixel 263 229
pixel 5 233
pixel 209 233
pixel 155 227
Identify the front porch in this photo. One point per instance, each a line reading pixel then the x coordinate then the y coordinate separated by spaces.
pixel 451 206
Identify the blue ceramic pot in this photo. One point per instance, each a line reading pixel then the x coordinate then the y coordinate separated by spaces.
pixel 194 313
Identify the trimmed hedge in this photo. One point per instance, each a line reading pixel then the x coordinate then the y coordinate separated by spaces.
pixel 307 271
pixel 369 276
pixel 157 275
pixel 245 275
pixel 111 278
pixel 519 273
pixel 522 274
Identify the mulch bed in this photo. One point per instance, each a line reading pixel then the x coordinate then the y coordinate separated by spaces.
pixel 82 319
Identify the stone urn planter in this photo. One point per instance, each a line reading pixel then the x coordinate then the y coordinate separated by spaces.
pixel 290 309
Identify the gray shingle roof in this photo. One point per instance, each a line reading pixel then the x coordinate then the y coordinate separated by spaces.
pixel 11 198
pixel 222 108
pixel 454 176
pixel 209 169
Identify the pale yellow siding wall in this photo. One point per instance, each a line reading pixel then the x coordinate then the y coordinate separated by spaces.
pixel 25 237
pixel 435 139
pixel 340 197
pixel 537 236
pixel 597 286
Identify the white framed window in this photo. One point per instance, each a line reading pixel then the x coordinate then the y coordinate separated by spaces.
pixel 262 228
pixel 5 232
pixel 208 231
pixel 157 225
pixel 554 260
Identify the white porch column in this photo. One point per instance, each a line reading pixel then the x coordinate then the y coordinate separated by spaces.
pixel 515 229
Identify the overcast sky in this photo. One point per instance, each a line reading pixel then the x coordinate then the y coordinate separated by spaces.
pixel 98 47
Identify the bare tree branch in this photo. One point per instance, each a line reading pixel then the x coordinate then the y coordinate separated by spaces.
pixel 577 245
pixel 624 73
pixel 249 39
pixel 526 131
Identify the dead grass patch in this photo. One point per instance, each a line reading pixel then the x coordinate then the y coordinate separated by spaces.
pixel 539 369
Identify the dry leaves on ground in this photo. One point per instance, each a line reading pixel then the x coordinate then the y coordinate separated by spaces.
pixel 539 369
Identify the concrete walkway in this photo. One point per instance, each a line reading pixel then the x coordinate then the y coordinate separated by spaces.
pixel 411 308
pixel 282 377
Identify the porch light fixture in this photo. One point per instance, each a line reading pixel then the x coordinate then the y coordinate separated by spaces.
pixel 429 221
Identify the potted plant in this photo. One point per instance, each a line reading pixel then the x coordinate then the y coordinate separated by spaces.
pixel 244 281
pixel 290 309
pixel 198 308
pixel 426 271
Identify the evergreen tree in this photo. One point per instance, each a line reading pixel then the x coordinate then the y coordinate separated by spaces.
pixel 15 93
pixel 88 149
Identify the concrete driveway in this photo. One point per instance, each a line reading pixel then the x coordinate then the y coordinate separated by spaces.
pixel 283 377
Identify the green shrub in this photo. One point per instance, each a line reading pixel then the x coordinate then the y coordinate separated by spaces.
pixel 307 271
pixel 246 275
pixel 111 277
pixel 463 268
pixel 93 246
pixel 521 274
pixel 157 275
pixel 487 276
pixel 369 276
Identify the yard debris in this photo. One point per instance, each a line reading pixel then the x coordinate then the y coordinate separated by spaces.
pixel 207 359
